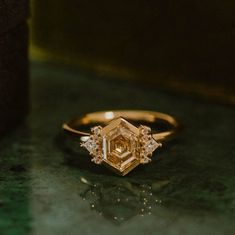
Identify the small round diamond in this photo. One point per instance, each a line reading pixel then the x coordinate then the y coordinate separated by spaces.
pixel 97 159
pixel 145 160
pixel 96 130
pixel 144 130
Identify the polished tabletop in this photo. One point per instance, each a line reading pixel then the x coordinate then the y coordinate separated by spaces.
pixel 47 187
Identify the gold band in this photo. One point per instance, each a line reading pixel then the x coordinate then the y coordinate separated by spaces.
pixel 119 144
pixel 73 126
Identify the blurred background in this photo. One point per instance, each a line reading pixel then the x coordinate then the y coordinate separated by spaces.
pixel 59 59
pixel 187 46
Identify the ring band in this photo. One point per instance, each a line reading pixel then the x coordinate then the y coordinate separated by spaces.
pixel 118 144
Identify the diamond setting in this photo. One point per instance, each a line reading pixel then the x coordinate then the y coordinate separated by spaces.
pixel 120 145
pixel 93 143
pixel 148 144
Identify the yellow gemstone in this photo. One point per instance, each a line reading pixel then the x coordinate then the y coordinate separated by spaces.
pixel 120 146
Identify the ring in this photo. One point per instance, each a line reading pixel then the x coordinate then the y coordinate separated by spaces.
pixel 117 143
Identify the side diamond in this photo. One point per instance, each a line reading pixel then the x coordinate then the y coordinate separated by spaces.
pixel 148 144
pixel 151 145
pixel 144 130
pixel 90 145
pixel 94 145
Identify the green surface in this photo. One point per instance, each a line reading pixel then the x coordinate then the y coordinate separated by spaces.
pixel 48 188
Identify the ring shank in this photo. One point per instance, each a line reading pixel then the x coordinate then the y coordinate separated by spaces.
pixel 73 126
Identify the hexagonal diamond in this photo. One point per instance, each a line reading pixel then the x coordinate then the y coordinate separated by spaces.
pixel 121 145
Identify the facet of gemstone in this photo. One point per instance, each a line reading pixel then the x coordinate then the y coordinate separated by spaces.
pixel 90 145
pixel 121 145
pixel 150 146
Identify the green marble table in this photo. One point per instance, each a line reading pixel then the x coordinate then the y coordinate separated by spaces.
pixel 47 188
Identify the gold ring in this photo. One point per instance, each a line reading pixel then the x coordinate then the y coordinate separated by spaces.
pixel 118 144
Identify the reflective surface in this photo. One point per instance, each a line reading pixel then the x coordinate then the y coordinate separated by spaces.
pixel 49 187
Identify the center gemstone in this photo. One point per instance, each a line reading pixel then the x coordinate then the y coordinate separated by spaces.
pixel 121 145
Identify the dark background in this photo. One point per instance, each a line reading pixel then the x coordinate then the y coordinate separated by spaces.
pixel 182 45
pixel 96 55
pixel 14 80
